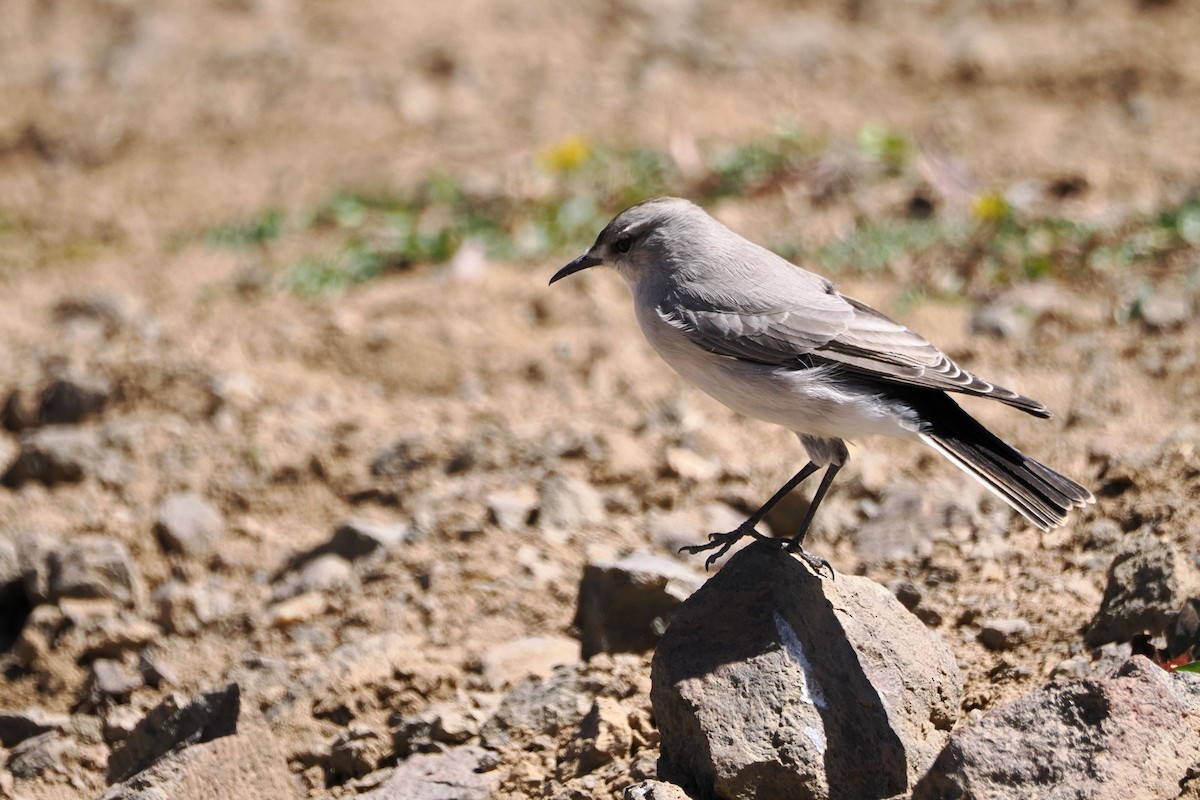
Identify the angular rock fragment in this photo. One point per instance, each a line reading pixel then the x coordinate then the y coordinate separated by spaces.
pixel 55 455
pixel 624 606
pixel 174 723
pixel 1149 579
pixel 67 401
pixel 87 566
pixel 773 682
pixel 456 774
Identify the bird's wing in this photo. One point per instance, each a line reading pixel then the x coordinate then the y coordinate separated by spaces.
pixel 820 326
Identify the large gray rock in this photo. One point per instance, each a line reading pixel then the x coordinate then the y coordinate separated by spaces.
pixel 1134 734
pixel 772 682
pixel 624 606
pixel 1148 580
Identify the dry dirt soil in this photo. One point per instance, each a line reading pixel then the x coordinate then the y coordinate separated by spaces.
pixel 127 129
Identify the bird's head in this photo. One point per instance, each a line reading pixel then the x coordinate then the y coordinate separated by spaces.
pixel 649 238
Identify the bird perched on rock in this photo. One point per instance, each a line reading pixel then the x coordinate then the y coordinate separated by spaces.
pixel 781 344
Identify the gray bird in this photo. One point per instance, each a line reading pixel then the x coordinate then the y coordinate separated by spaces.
pixel 778 343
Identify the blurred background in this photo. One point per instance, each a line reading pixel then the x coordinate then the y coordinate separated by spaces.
pixel 286 260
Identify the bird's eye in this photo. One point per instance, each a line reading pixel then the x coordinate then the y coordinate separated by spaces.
pixel 623 244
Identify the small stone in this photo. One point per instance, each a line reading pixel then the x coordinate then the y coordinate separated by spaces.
pixel 295 610
pixel 506 664
pixel 39 754
pixel 1004 634
pixel 654 790
pixel 441 724
pixel 1164 310
pixel 907 592
pixel 69 401
pixel 625 606
pixel 119 722
pixel 691 466
pixel 456 774
pixel 189 524
pixel 114 634
pixel 111 678
pixel 17 726
pixel 16 415
pixel 604 736
pixel 87 566
pixel 54 455
pixel 512 510
pixel 538 707
pixel 356 752
pixel 156 671
pixel 325 573
pixel 1074 667
pixel 356 538
pixel 186 608
pixel 567 503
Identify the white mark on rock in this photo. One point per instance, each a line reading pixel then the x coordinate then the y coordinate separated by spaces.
pixel 810 690
pixel 816 737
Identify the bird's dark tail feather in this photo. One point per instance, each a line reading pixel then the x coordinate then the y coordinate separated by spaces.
pixel 1040 494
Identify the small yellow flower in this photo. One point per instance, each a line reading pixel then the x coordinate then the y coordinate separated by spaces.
pixel 991 207
pixel 565 156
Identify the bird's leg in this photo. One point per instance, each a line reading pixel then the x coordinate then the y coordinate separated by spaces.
pixel 724 541
pixel 795 544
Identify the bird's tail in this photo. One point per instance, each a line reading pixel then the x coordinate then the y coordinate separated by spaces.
pixel 1040 494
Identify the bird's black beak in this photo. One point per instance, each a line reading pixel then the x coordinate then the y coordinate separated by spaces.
pixel 583 262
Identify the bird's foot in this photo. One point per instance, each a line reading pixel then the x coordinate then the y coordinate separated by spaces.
pixel 723 541
pixel 815 563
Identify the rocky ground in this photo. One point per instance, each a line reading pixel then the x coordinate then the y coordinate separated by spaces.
pixel 419 536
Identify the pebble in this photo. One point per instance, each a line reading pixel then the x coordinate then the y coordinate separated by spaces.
pixel 295 610
pixel 17 726
pixel 1164 310
pixel 691 466
pixel 86 566
pixel 512 510
pixel 69 401
pixel 505 664
pixel 188 523
pixel 186 608
pixel 567 503
pixel 40 754
pixel 357 538
pixel 1004 634
pixel 111 678
pixel 55 455
pixel 119 722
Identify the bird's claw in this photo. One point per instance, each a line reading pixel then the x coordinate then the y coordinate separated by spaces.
pixel 815 563
pixel 722 541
